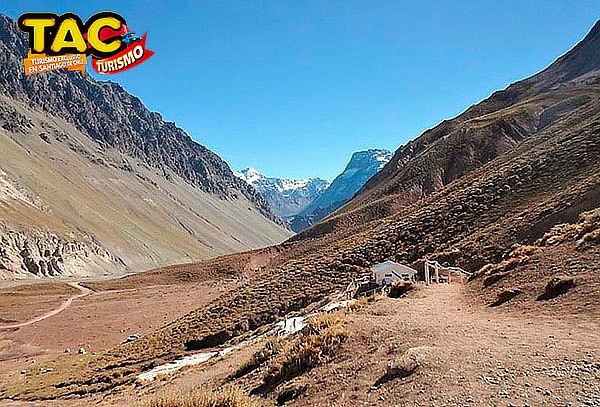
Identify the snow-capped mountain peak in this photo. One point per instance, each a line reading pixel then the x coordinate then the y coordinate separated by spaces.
pixel 287 196
pixel 362 166
pixel 304 202
pixel 250 175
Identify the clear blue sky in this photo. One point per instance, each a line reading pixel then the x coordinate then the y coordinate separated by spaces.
pixel 294 87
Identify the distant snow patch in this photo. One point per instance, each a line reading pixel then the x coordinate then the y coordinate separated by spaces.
pixel 178 364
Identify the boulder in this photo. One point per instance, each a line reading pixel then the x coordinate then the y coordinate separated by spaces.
pixel 558 285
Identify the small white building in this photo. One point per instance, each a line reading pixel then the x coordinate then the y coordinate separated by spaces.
pixel 388 272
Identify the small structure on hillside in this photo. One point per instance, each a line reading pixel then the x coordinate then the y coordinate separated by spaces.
pixel 434 272
pixel 388 272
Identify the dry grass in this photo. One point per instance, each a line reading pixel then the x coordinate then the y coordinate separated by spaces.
pixel 359 304
pixel 589 239
pixel 227 397
pixel 524 250
pixel 315 344
pixel 271 348
pixel 591 217
pixel 590 234
pixel 519 255
pixel 291 391
pixel 502 267
pixel 585 232
pixel 585 229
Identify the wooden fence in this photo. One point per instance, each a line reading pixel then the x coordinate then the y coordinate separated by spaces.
pixel 437 267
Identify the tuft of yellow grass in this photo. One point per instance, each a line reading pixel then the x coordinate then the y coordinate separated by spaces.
pixel 271 348
pixel 226 397
pixel 317 342
pixel 359 304
pixel 590 238
pixel 592 217
pixel 524 250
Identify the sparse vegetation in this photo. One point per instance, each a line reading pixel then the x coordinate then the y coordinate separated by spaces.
pixel 271 348
pixel 358 304
pixel 291 391
pixel 518 256
pixel 589 239
pixel 227 397
pixel 585 231
pixel 317 342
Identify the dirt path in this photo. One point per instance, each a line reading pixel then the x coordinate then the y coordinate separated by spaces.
pixel 98 321
pixel 468 355
pixel 83 292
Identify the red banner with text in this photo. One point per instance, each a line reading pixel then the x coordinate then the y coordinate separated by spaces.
pixel 135 53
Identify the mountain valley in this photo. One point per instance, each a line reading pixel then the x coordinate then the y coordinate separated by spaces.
pixel 508 191
pixel 288 197
pixel 302 203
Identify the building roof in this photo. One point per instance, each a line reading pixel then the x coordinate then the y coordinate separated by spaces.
pixel 393 266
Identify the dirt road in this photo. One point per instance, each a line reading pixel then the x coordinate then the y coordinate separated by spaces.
pixel 83 292
pixel 468 355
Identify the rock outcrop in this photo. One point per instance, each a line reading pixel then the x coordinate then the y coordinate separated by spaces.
pixel 45 254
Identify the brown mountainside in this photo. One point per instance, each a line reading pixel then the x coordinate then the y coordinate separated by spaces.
pixel 483 132
pixel 117 119
pixel 93 182
pixel 548 176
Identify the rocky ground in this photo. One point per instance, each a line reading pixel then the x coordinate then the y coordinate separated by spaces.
pixel 461 352
pixel 44 254
pixel 467 354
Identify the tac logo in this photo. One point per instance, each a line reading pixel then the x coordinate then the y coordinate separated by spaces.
pixel 58 42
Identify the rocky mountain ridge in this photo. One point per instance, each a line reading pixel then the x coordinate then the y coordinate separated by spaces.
pixel 133 129
pixel 485 131
pixel 87 163
pixel 362 166
pixel 287 197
